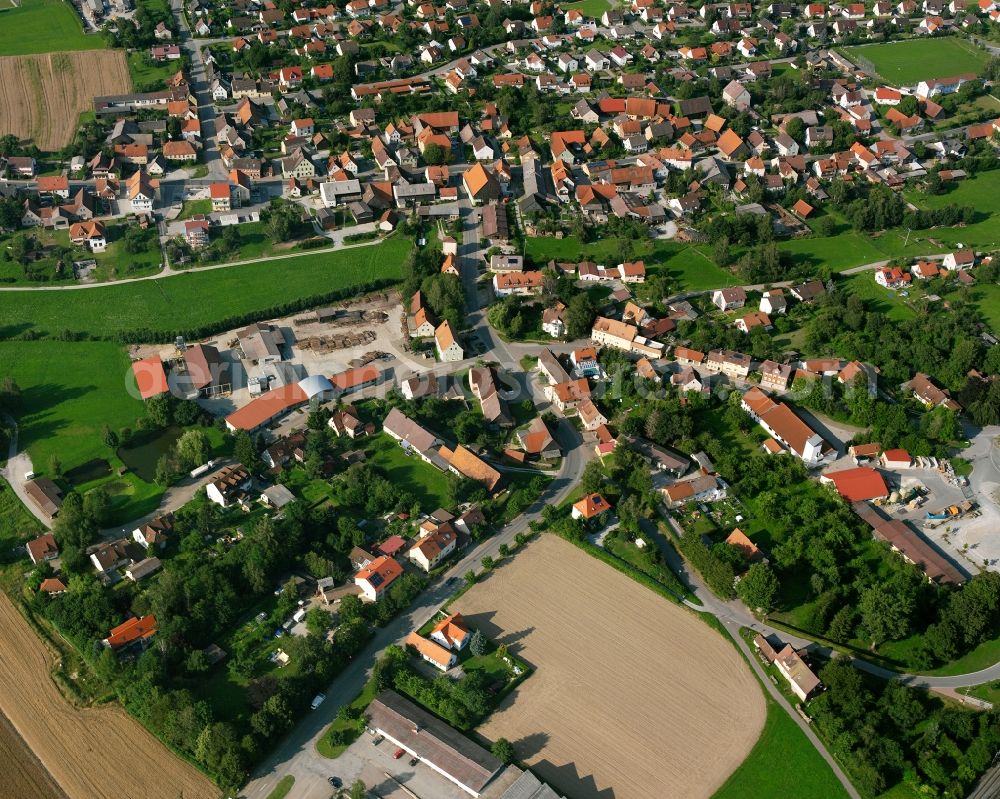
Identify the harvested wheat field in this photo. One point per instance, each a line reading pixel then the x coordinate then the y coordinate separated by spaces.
pixel 632 696
pixel 98 753
pixel 42 96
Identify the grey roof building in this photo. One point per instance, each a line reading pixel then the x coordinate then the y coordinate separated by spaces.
pixel 442 748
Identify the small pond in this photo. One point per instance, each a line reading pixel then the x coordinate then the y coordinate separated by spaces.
pixel 145 448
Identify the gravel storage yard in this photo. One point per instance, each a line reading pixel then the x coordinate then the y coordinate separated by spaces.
pixel 633 697
pixel 93 754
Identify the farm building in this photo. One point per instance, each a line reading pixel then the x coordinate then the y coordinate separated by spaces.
pixel 857 485
pixel 433 742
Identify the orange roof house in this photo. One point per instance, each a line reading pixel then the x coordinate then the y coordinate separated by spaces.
pixel 858 484
pixel 431 651
pixel 135 629
pixel 479 184
pixel 451 631
pixel 739 539
pixel 52 585
pixel 802 209
pixel 590 506
pixel 150 378
pixel 377 576
pixel 730 144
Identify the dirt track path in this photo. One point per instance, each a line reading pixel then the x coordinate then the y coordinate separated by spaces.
pixel 98 753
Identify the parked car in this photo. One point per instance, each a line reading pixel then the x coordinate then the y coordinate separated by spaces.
pixel 398 754
pixel 377 740
pixel 335 781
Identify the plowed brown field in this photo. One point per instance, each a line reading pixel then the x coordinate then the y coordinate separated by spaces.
pixel 24 777
pixel 99 753
pixel 42 96
pixel 632 696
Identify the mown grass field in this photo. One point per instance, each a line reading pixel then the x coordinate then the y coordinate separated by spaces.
pixel 907 63
pixel 981 191
pixel 782 763
pixel 199 299
pixel 848 248
pixel 68 393
pixel 44 26
pixel 589 8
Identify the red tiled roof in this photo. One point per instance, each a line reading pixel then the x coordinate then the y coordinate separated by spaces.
pixel 267 406
pixel 150 378
pixel 134 629
pixel 856 485
pixel 591 505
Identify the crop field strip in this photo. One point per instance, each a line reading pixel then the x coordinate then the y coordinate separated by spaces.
pixel 77 745
pixel 42 96
pixel 675 724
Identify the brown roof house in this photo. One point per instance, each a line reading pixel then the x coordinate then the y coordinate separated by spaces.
pixel 464 462
pixel 42 548
pixel 793 668
pixel 46 496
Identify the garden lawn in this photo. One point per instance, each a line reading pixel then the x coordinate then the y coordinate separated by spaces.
pixel 115 263
pixel 907 63
pixel 150 77
pixel 194 207
pixel 783 762
pixel 212 299
pixel 428 486
pixel 589 8
pixel 877 298
pixel 44 26
pixel 836 252
pixel 16 523
pixel 688 265
pixel 981 191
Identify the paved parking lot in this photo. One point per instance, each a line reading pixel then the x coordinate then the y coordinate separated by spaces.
pixel 372 764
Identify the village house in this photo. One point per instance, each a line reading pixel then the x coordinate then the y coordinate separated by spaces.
pixel 592 506
pixel 230 485
pixel 375 578
pixel 781 423
pixel 433 547
pixel 438 656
